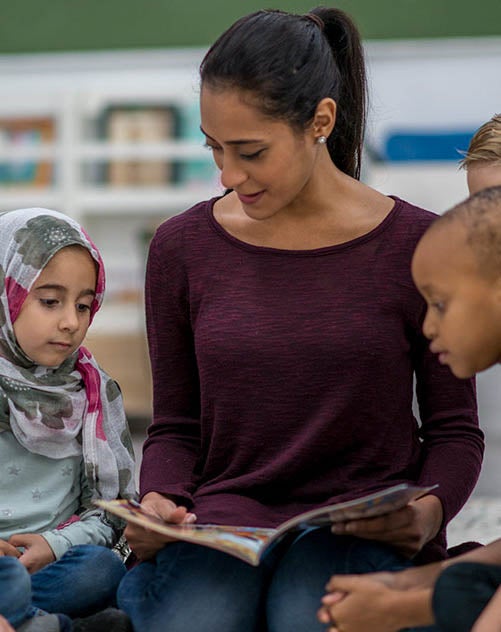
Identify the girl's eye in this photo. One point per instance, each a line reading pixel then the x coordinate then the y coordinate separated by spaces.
pixel 49 302
pixel 82 307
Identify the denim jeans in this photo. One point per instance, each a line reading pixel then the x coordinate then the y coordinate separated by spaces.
pixel 83 581
pixel 191 587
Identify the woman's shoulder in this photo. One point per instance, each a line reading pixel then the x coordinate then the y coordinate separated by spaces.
pixel 412 220
pixel 192 219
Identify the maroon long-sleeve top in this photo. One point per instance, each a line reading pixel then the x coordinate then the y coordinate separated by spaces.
pixel 283 379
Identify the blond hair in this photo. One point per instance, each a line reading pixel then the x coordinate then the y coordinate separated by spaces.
pixel 485 145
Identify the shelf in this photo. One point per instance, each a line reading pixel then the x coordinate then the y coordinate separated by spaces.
pixel 118 201
pixel 174 150
pixel 17 153
pixel 25 198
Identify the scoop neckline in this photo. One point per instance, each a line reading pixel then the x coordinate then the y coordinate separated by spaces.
pixel 239 243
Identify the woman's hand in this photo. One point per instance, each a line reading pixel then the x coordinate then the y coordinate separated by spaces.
pixel 407 529
pixel 37 552
pixel 145 543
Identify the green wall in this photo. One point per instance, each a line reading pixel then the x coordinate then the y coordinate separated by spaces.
pixel 55 25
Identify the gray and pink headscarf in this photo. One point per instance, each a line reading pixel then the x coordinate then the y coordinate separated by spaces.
pixel 76 408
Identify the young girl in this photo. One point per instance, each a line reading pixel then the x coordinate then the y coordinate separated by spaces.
pixel 64 439
pixel 285 334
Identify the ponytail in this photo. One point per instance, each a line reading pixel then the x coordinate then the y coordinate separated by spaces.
pixel 290 63
pixel 345 144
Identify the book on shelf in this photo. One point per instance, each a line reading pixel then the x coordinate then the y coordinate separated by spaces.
pixel 25 132
pixel 250 543
pixel 139 123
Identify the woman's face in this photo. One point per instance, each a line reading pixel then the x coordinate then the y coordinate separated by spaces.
pixel 265 161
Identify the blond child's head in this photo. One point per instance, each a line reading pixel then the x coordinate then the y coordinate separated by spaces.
pixel 457 268
pixel 482 161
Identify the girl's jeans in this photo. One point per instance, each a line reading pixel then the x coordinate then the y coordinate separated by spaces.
pixel 83 581
pixel 191 587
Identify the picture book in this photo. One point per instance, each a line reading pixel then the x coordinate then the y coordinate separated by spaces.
pixel 250 543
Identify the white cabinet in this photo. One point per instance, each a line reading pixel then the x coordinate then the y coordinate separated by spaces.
pixel 75 92
pixel 59 149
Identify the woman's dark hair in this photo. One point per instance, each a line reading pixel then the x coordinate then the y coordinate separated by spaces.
pixel 290 63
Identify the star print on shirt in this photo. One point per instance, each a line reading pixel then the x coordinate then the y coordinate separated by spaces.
pixel 36 494
pixel 67 471
pixel 13 470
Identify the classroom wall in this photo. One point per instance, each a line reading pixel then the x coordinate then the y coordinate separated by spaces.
pixel 57 25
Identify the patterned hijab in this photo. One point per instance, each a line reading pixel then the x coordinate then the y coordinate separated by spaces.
pixel 76 408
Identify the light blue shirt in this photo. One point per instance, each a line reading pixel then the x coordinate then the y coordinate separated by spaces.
pixel 37 494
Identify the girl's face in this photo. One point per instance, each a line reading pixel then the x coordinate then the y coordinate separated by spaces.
pixel 55 316
pixel 267 162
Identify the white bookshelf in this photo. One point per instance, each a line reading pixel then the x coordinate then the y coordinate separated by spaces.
pixel 74 89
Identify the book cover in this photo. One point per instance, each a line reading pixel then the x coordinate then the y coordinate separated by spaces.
pixel 250 543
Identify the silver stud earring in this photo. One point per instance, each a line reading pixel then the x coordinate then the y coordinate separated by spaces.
pixel 321 140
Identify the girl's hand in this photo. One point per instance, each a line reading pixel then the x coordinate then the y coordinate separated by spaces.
pixel 8 549
pixel 5 625
pixel 145 543
pixel 37 552
pixel 407 529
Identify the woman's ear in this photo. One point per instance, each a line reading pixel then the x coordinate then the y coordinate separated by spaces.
pixel 324 118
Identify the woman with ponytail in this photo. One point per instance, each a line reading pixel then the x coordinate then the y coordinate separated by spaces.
pixel 285 334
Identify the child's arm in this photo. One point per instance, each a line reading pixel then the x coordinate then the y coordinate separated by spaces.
pixel 345 608
pixel 37 552
pixel 403 597
pixel 90 526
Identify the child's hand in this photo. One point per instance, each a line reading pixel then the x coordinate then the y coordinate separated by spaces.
pixel 5 625
pixel 407 529
pixel 37 552
pixel 358 603
pixel 8 549
pixel 146 543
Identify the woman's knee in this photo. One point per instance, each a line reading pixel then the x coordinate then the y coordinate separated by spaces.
pixel 192 587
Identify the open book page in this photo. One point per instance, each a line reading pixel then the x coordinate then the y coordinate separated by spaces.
pixel 249 543
pixel 376 504
pixel 246 543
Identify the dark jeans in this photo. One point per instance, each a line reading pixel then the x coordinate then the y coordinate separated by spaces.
pixel 83 581
pixel 191 587
pixel 461 593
